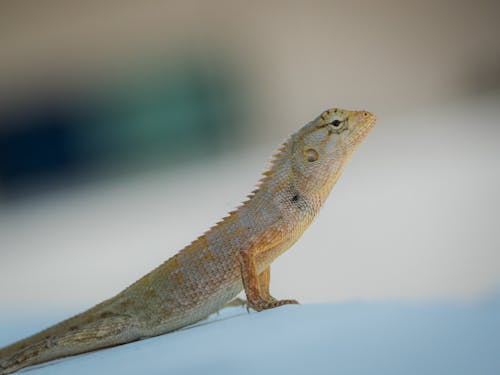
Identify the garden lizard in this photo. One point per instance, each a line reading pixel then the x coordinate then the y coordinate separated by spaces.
pixel 232 256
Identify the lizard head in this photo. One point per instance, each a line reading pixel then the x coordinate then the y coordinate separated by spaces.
pixel 323 146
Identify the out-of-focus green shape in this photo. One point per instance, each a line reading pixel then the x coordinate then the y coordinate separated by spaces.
pixel 155 115
pixel 166 116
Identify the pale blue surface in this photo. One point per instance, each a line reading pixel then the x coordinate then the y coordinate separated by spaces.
pixel 349 338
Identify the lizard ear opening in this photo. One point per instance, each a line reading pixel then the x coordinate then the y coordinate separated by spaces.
pixel 311 154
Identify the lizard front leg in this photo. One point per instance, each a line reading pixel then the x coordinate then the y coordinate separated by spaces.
pixel 257 286
pixel 265 282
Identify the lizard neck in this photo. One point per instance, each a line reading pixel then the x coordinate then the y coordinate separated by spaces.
pixel 283 200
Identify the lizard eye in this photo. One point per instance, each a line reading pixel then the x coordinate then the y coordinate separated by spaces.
pixel 336 123
pixel 311 154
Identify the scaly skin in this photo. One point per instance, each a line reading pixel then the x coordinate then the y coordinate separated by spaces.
pixel 233 255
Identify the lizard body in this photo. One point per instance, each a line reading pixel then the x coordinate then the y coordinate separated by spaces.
pixel 233 255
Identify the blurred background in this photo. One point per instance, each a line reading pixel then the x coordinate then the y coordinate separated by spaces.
pixel 128 128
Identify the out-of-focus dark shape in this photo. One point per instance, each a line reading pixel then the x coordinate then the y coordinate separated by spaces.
pixel 163 117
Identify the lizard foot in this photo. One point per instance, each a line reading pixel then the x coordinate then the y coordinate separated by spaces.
pixel 262 304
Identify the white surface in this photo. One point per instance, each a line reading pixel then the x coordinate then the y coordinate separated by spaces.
pixel 354 338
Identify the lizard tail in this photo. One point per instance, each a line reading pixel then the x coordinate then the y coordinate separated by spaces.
pixel 89 331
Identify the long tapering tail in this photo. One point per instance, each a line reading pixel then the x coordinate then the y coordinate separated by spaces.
pixel 91 330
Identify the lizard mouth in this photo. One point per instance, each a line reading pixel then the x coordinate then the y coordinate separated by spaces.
pixel 363 130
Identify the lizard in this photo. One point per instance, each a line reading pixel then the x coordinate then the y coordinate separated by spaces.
pixel 234 255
